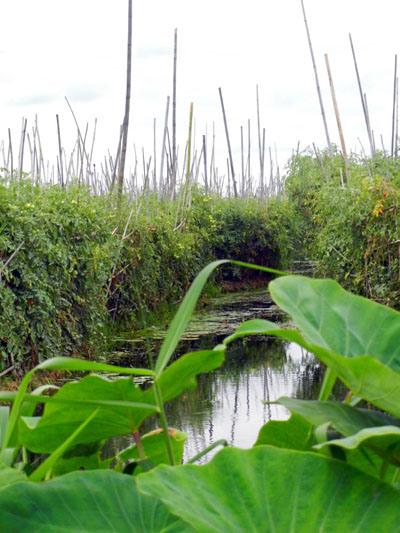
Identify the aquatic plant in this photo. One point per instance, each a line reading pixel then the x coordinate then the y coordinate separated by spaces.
pixel 332 466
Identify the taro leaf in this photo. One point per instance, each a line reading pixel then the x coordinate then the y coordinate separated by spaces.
pixel 294 434
pixel 60 420
pixel 9 476
pixel 385 440
pixel 338 321
pixel 155 449
pixel 367 378
pixel 271 489
pixel 344 418
pixel 181 374
pixel 97 502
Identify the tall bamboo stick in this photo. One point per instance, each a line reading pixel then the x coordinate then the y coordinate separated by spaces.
pixel 367 123
pixel 321 103
pixel 337 115
pixel 125 127
pixel 174 154
pixel 228 143
pixel 392 146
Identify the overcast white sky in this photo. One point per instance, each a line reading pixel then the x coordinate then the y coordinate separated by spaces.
pixel 76 48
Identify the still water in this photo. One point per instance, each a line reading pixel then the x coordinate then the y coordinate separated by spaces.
pixel 233 402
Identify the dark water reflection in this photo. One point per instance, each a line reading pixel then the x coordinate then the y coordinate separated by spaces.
pixel 231 403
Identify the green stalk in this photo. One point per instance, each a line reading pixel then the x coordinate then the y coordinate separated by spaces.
pixel 210 448
pixel 139 445
pixel 164 423
pixel 327 385
pixel 47 465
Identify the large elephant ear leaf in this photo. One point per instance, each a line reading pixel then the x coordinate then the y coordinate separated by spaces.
pixel 271 489
pixel 84 502
pixel 336 320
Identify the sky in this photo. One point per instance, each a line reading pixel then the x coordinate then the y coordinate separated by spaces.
pixel 52 49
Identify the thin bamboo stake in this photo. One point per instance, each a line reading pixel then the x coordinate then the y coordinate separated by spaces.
pixel 154 157
pixel 367 124
pixel 229 144
pixel 174 151
pixel 337 115
pixel 125 126
pixel 205 163
pixel 321 103
pixel 22 146
pixel 10 149
pixel 242 161
pixel 396 138
pixel 392 146
pixel 60 151
pixel 260 151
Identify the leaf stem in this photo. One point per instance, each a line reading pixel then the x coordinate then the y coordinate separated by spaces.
pixel 164 422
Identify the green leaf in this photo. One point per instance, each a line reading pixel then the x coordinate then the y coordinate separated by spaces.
pixel 294 434
pixel 181 374
pixel 4 414
pixel 256 326
pixel 9 476
pixel 367 378
pixel 97 502
pixel 271 489
pixel 182 317
pixel 59 363
pixel 344 418
pixel 113 419
pixel 384 440
pixel 154 447
pixel 44 468
pixel 186 308
pixel 338 321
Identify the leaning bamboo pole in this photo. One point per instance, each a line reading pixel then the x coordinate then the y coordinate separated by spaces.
pixel 337 115
pixel 232 170
pixel 366 118
pixel 321 103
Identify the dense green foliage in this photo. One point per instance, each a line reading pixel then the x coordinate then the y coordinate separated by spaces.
pixel 82 262
pixel 333 466
pixel 351 229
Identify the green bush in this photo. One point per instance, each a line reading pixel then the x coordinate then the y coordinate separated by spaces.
pixel 85 264
pixel 351 230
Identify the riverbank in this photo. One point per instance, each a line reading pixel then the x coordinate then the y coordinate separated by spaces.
pixel 75 265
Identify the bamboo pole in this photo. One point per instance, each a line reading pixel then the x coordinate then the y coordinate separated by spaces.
pixel 260 150
pixel 228 143
pixel 337 115
pixel 22 146
pixel 163 148
pixel 392 146
pixel 367 124
pixel 125 125
pixel 205 163
pixel 174 152
pixel 321 103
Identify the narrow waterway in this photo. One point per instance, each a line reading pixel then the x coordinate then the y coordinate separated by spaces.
pixel 233 402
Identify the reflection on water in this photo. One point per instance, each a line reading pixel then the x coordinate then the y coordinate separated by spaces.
pixel 231 403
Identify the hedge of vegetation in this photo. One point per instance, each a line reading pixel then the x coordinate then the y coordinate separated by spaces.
pixel 71 262
pixel 350 229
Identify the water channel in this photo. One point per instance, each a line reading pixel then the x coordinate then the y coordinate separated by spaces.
pixel 232 402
